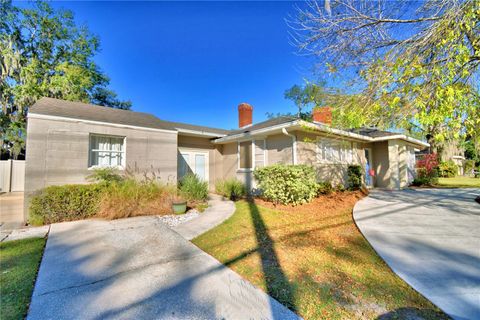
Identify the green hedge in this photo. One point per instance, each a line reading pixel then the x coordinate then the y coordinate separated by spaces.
pixel 354 173
pixel 65 203
pixel 287 184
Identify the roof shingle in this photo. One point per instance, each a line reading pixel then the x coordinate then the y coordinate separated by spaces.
pixel 85 111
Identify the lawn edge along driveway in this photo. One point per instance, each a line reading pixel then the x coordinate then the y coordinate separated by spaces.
pixel 19 263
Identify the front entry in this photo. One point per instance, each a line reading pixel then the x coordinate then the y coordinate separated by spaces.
pixel 368 167
pixel 193 161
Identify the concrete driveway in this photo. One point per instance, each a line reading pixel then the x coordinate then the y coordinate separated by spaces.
pixel 431 239
pixel 137 268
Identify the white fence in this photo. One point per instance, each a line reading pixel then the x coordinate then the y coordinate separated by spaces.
pixel 12 175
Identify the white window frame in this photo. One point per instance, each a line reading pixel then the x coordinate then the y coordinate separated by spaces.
pixel 192 152
pixel 326 147
pixel 253 154
pixel 92 151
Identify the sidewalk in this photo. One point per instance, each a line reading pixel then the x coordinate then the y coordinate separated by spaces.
pixel 218 211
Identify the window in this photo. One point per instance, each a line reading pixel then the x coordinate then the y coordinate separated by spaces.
pixel 107 151
pixel 331 151
pixel 251 154
pixel 245 154
pixel 259 153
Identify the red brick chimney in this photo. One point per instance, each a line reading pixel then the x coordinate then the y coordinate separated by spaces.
pixel 245 112
pixel 322 115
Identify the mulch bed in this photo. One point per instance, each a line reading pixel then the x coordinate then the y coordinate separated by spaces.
pixel 325 203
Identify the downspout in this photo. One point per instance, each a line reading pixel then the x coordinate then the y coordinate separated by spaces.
pixel 294 144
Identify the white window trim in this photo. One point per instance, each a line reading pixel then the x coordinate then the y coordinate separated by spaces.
pixel 194 151
pixel 346 154
pixel 264 152
pixel 253 154
pixel 91 150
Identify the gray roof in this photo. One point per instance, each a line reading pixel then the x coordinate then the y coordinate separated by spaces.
pixel 85 111
pixel 373 132
pixel 265 124
pixel 180 125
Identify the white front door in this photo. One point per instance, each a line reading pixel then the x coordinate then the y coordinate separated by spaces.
pixel 191 161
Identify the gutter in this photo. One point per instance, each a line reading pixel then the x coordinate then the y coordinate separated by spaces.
pixel 294 144
pixel 319 127
pixel 201 133
pixel 402 137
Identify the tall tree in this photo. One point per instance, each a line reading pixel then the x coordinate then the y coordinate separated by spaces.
pixel 414 64
pixel 305 97
pixel 43 53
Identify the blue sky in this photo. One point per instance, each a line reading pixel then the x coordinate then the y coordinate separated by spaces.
pixel 196 61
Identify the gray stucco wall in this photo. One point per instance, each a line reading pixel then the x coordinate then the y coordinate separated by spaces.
pixel 336 173
pixel 381 164
pixel 279 149
pixel 58 151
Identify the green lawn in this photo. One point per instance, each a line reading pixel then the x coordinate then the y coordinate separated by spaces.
pixel 313 259
pixel 19 262
pixel 459 182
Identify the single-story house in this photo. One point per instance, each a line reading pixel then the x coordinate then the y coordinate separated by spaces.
pixel 65 140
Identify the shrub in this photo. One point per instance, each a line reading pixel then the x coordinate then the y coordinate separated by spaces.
pixel 447 169
pixel 425 178
pixel 287 184
pixel 340 188
pixel 354 173
pixel 130 198
pixel 104 175
pixel 192 188
pixel 427 171
pixel 64 203
pixel 231 188
pixel 468 166
pixel 325 187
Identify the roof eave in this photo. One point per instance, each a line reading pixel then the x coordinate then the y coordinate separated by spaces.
pixel 199 133
pixel 34 115
pixel 300 124
pixel 403 137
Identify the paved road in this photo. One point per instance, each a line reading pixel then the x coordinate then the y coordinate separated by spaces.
pixel 137 268
pixel 431 239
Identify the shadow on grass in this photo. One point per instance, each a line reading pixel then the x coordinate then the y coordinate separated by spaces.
pixel 276 281
pixel 411 313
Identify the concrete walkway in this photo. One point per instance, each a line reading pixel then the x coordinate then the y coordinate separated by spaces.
pixel 218 211
pixel 138 268
pixel 431 239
